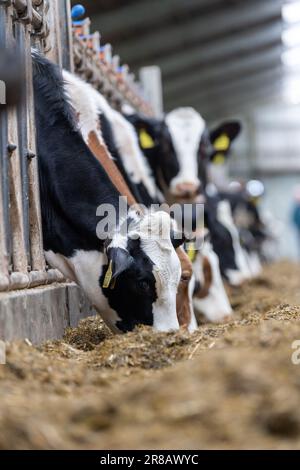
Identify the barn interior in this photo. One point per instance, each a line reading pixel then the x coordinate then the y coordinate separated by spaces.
pixel 227 59
pixel 230 380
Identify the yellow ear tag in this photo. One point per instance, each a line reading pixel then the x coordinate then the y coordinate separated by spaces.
pixel 222 143
pixel 255 200
pixel 191 252
pixel 108 276
pixel 146 140
pixel 219 159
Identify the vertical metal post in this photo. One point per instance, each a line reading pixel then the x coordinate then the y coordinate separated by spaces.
pixel 66 34
pixel 17 238
pixel 4 168
pixel 54 53
pixel 19 256
pixel 20 31
pixel 36 238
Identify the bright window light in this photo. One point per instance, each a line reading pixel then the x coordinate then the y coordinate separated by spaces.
pixel 291 12
pixel 291 57
pixel 291 36
pixel 291 90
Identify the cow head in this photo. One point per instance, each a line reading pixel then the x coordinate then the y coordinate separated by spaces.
pixel 186 127
pixel 180 149
pixel 142 273
pixel 225 241
pixel 172 148
pixel 156 143
pixel 210 297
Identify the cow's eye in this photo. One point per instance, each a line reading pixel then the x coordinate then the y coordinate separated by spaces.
pixel 144 286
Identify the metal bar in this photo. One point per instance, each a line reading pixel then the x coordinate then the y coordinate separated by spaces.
pixel 18 280
pixel 40 40
pixel 4 177
pixel 4 169
pixel 22 7
pixel 20 30
pixel 66 34
pixel 13 187
pixel 19 255
pixel 35 222
pixel 102 76
pixel 20 215
pixel 54 52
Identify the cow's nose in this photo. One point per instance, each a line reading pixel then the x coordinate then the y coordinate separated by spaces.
pixel 187 190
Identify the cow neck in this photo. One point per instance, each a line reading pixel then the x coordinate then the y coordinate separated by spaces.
pixel 101 153
pixel 71 197
pixel 73 183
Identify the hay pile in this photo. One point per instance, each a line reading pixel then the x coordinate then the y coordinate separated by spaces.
pixel 225 386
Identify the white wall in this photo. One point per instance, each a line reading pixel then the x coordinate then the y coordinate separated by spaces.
pixel 269 149
pixel 279 200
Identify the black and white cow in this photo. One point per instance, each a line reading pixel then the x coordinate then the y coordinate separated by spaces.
pixel 252 229
pixel 192 148
pixel 225 240
pixel 210 298
pixel 119 136
pixel 155 140
pixel 89 104
pixel 131 276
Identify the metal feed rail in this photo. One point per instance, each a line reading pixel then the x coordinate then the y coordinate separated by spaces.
pixel 23 23
pixel 47 26
pixel 96 64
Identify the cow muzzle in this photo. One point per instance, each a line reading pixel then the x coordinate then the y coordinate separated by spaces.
pixel 186 191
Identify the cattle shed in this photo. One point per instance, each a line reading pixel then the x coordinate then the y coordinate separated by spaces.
pixel 146 335
pixel 228 59
pixel 36 301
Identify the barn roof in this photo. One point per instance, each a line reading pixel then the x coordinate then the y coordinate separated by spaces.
pixel 217 55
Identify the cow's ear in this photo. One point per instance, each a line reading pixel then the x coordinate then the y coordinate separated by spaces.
pixel 139 121
pixel 147 129
pixel 119 260
pixel 177 238
pixel 221 139
pixel 224 134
